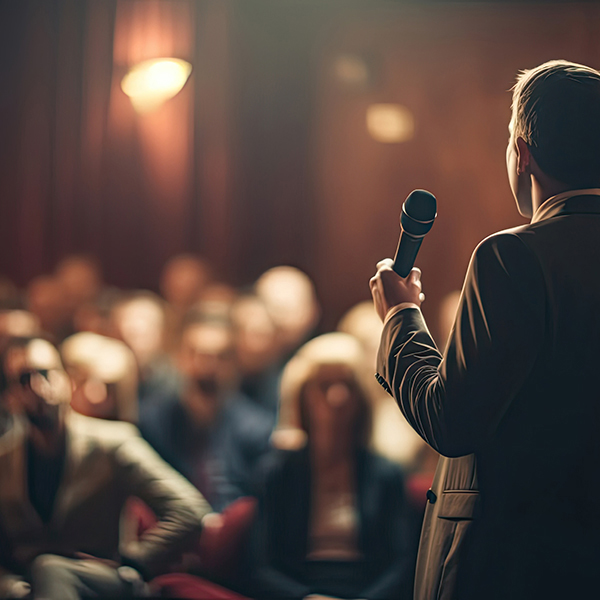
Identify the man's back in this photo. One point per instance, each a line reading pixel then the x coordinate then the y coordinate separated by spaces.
pixel 517 387
pixel 538 531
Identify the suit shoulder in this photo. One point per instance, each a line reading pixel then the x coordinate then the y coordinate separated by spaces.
pixel 106 433
pixel 507 246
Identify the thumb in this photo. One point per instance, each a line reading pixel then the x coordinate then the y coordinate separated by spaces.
pixel 415 275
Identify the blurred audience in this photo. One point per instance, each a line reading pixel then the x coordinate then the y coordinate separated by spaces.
pixel 46 299
pixel 139 320
pixel 200 369
pixel 332 513
pixel 104 376
pixel 289 295
pixel 257 351
pixel 64 480
pixel 209 432
pixel 81 280
pixel 182 281
pixel 18 323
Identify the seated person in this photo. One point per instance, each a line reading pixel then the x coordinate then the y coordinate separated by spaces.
pixel 257 351
pixel 64 480
pixel 332 515
pixel 104 376
pixel 290 297
pixel 138 319
pixel 209 432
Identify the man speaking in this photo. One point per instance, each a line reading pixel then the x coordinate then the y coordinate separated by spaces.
pixel 519 383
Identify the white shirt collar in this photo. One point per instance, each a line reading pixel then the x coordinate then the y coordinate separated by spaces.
pixel 546 209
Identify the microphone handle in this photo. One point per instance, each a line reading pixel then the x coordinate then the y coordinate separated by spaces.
pixel 406 253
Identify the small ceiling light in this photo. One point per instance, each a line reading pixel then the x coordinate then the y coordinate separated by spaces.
pixel 152 82
pixel 390 123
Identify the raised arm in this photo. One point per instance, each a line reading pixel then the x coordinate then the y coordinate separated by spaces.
pixel 456 400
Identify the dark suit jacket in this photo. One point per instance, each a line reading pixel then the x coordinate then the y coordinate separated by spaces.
pixel 280 536
pixel 518 387
pixel 220 461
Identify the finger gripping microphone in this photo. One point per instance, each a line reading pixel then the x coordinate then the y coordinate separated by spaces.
pixel 416 219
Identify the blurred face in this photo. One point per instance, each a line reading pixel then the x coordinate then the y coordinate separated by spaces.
pixel 332 398
pixel 289 297
pixel 256 335
pixel 46 300
pixel 80 278
pixel 520 182
pixel 206 358
pixel 183 280
pixel 140 324
pixel 38 387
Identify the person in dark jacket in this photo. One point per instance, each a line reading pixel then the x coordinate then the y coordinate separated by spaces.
pixel 210 433
pixel 332 514
pixel 517 385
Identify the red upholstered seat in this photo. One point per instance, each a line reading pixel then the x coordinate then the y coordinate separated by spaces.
pixel 182 585
pixel 217 553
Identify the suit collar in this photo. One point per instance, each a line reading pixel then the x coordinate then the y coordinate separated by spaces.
pixel 13 471
pixel 573 202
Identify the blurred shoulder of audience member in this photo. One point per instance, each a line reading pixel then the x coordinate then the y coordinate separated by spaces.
pixel 46 299
pixel 64 482
pixel 208 431
pixel 317 533
pixel 257 351
pixel 290 297
pixel 104 375
pixel 138 319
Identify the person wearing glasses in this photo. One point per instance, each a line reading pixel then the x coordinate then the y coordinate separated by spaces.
pixel 64 480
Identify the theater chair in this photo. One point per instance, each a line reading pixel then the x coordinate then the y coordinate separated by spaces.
pixel 216 558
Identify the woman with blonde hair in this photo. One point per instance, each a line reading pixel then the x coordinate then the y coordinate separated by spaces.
pixel 331 512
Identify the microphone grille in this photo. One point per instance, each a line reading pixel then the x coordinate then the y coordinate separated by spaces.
pixel 421 205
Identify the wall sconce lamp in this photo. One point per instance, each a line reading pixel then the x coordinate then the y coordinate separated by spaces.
pixel 152 82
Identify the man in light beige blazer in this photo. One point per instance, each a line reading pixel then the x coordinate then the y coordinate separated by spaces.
pixel 64 480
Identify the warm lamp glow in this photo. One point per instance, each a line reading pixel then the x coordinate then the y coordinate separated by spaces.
pixel 152 82
pixel 352 70
pixel 390 123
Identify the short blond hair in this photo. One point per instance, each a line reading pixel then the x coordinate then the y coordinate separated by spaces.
pixel 556 110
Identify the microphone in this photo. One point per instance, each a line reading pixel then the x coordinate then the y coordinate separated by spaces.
pixel 416 219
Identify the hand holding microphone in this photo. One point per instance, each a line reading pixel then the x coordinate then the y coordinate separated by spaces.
pixel 396 281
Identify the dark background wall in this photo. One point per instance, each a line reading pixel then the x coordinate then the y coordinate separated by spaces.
pixel 264 157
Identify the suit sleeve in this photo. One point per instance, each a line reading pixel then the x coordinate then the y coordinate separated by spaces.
pixel 177 504
pixel 455 401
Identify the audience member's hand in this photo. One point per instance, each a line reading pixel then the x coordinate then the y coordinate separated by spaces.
pixel 55 388
pixel 389 289
pixel 12 586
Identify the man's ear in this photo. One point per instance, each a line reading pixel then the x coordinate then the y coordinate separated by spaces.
pixel 523 156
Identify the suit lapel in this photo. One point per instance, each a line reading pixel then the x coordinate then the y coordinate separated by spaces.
pixel 19 514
